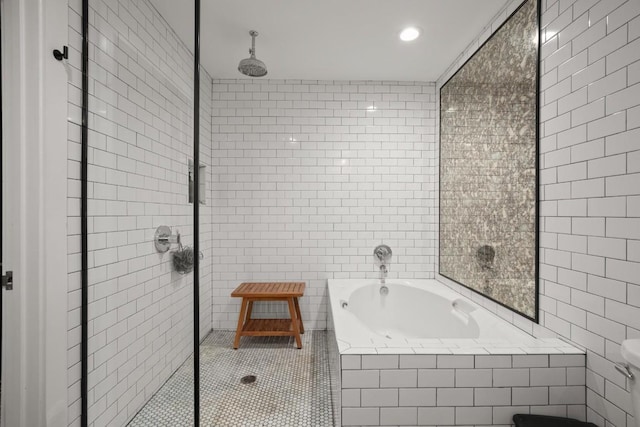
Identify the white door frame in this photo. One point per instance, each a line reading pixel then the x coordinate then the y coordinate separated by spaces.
pixel 35 213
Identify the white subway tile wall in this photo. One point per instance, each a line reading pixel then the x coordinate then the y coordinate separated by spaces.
pixel 589 192
pixel 140 139
pixel 467 394
pixel 310 176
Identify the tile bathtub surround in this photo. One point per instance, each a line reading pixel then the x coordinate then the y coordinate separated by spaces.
pixel 140 139
pixel 311 176
pixel 590 189
pixel 428 390
pixel 335 372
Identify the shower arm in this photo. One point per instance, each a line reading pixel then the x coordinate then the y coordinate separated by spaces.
pixel 252 51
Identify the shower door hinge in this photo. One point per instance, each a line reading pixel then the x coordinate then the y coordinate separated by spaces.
pixel 7 280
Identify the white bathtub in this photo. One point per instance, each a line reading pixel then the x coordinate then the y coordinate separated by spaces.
pixel 422 316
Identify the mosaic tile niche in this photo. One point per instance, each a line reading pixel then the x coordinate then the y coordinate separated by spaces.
pixel 488 146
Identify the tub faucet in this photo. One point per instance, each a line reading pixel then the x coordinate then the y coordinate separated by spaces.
pixel 382 256
pixel 383 273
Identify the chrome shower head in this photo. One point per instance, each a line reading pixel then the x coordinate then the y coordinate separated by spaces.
pixel 252 66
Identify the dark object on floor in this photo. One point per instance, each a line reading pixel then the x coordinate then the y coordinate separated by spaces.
pixel 526 420
pixel 248 379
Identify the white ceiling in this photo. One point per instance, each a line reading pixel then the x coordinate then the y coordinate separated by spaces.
pixel 332 39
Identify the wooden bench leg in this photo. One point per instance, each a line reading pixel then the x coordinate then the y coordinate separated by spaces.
pixel 295 300
pixel 249 310
pixel 241 318
pixel 294 321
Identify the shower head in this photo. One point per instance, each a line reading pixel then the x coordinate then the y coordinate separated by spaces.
pixel 252 66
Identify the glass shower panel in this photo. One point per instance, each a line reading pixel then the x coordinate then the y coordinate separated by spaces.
pixel 206 235
pixel 140 220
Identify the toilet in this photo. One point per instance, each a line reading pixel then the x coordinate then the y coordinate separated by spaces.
pixel 631 353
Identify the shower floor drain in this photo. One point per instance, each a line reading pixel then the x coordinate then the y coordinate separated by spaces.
pixel 249 379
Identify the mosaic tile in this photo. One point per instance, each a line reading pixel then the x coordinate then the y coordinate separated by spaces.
pixel 487 166
pixel 292 386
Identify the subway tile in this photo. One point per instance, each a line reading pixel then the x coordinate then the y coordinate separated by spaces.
pixel 588 264
pixel 510 377
pixel 398 416
pixel 606 126
pixel 349 361
pixel 360 416
pixel 625 228
pixel 379 362
pixel 350 397
pixel 572 172
pixel 604 287
pixel 623 184
pixel 436 378
pixel 575 135
pixel 607 247
pixel 436 416
pixel 623 99
pixel 606 328
pixel 361 379
pixel 379 397
pixel 548 376
pixel 492 396
pixel 587 301
pixel 607 166
pixel 530 395
pixel 418 397
pixel 624 56
pixel 564 360
pixel 561 55
pixel 454 396
pixel 623 142
pixel 587 151
pixel 421 361
pixel 607 207
pixel 493 361
pixel 566 395
pixel 530 361
pixel 474 415
pixel 607 86
pixel 576 63
pixel 588 188
pixel 473 378
pixel 608 44
pixel 398 378
pixel 592 73
pixel 627 271
pixel 445 361
pixel 595 109
pixel 571 314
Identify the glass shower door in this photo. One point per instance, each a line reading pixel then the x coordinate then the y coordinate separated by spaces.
pixel 140 219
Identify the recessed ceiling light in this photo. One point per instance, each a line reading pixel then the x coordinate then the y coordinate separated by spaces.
pixel 409 34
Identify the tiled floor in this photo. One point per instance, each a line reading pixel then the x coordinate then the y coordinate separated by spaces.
pixel 292 386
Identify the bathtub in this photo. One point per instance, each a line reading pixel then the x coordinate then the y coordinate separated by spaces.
pixel 424 355
pixel 422 316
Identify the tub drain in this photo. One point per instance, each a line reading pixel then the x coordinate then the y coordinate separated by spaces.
pixel 248 379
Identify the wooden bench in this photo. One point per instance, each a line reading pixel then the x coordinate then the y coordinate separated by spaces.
pixel 269 291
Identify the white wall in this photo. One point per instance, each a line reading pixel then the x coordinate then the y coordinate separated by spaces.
pixel 140 140
pixel 34 88
pixel 590 188
pixel 308 181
